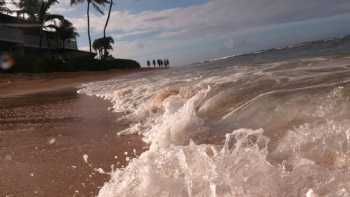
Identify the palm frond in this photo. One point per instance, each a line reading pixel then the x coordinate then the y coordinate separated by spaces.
pixel 97 8
pixel 74 2
pixel 50 17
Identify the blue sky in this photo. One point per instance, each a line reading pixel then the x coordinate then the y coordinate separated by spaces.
pixel 188 31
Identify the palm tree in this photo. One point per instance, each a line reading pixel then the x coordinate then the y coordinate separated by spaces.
pixel 95 4
pixel 2 5
pixel 28 7
pixel 65 31
pixel 102 45
pixel 3 8
pixel 98 47
pixel 44 16
pixel 37 12
pixel 107 21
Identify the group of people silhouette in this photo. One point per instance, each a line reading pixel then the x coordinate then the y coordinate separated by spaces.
pixel 158 63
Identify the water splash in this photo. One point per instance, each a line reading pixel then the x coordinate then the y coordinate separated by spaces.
pixel 302 148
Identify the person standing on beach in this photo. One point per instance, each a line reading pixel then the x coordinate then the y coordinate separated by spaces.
pixel 154 63
pixel 148 63
pixel 165 63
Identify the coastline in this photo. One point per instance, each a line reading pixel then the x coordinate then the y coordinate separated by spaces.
pixel 55 142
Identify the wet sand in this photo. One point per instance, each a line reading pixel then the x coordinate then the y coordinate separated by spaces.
pixel 46 128
pixel 20 84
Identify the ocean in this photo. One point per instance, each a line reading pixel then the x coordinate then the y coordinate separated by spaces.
pixel 267 124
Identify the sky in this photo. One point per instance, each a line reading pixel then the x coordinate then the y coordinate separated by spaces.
pixel 187 31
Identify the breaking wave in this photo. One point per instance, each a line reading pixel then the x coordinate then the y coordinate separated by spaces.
pixel 279 129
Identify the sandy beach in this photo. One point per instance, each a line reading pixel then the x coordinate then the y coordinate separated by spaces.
pixel 55 142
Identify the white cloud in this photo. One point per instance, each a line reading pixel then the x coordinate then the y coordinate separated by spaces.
pixel 63 7
pixel 178 27
pixel 218 16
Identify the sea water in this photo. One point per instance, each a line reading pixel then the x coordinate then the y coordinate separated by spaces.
pixel 228 129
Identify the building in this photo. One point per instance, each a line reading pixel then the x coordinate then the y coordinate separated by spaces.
pixel 18 33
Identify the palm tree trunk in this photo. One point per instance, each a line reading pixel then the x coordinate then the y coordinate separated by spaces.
pixel 88 23
pixel 108 17
pixel 107 21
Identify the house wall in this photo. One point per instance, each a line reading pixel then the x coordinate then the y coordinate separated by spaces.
pixel 9 34
pixel 52 43
pixel 29 37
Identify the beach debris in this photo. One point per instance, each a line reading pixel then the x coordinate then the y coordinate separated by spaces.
pixel 31 174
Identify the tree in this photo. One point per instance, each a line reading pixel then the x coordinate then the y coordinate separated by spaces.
pixel 96 4
pixel 65 31
pixel 102 46
pixel 44 16
pixel 97 45
pixel 29 7
pixel 37 11
pixel 107 21
pixel 2 5
pixel 3 8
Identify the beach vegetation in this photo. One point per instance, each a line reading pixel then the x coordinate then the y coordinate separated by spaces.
pixel 96 5
pixel 3 7
pixel 65 31
pixel 37 12
pixel 102 46
pixel 38 20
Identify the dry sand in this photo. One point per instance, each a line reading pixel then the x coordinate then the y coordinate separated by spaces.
pixel 46 128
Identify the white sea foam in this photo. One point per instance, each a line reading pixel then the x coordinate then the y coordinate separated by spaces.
pixel 233 131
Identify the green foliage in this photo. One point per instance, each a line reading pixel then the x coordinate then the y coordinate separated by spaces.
pixel 65 31
pixel 3 8
pixel 96 4
pixel 37 12
pixel 103 45
pixel 58 62
pixel 29 7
